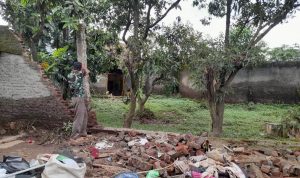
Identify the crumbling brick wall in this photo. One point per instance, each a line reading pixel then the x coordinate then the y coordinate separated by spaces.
pixel 25 96
pixel 25 93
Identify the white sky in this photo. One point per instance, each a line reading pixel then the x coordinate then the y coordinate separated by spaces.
pixel 287 33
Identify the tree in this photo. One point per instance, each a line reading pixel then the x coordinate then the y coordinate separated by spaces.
pixel 261 16
pixel 166 56
pixel 103 50
pixel 28 18
pixel 285 53
pixel 75 15
pixel 139 18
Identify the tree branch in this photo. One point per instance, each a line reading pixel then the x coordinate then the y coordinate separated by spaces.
pixel 148 21
pixel 36 36
pixel 259 37
pixel 231 76
pixel 164 15
pixel 127 27
pixel 275 20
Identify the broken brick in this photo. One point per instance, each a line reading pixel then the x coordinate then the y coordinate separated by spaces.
pixel 199 152
pixel 297 153
pixel 194 145
pixel 182 149
pixel 274 153
pixel 157 165
pixel 265 168
pixel 275 172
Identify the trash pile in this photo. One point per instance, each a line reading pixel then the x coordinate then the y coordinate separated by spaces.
pixel 132 154
pixel 45 166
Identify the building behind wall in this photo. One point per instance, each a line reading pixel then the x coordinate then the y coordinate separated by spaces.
pixel 113 82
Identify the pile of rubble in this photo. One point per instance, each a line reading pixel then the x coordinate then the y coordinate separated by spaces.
pixel 185 155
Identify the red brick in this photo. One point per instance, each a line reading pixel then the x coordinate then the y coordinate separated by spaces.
pixel 182 149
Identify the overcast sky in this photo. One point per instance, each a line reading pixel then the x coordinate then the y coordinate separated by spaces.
pixel 287 33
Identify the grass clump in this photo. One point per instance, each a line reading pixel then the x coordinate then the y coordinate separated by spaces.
pixel 190 116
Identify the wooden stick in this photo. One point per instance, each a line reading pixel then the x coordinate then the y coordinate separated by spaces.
pixel 227 148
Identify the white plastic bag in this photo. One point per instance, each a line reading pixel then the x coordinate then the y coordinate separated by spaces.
pixel 54 169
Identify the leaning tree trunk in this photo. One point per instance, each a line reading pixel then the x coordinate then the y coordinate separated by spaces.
pixel 82 56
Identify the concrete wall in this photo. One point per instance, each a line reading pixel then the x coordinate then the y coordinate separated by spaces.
pixel 268 83
pixel 8 43
pixel 25 96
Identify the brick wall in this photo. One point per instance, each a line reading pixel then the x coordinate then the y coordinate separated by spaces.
pixel 26 95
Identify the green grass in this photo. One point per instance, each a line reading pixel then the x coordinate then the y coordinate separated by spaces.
pixel 190 116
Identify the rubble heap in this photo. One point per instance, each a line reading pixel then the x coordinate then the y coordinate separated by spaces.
pixel 186 155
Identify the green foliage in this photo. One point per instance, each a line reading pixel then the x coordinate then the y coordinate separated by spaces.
pixel 291 122
pixel 67 128
pixel 59 66
pixel 103 52
pixel 169 53
pixel 210 55
pixel 60 52
pixel 285 53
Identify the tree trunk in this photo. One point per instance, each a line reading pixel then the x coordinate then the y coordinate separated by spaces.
pixel 65 36
pixel 131 65
pixel 141 104
pixel 33 50
pixel 216 108
pixel 82 56
pixel 227 28
pixel 215 98
pixel 131 113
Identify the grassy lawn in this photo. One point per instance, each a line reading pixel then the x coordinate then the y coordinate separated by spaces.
pixel 190 116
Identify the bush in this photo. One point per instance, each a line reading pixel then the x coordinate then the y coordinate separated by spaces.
pixel 291 123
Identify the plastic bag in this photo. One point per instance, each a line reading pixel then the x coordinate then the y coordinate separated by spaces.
pixel 14 164
pixel 127 175
pixel 152 174
pixel 56 168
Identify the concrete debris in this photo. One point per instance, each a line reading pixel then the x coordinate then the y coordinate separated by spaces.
pixel 104 145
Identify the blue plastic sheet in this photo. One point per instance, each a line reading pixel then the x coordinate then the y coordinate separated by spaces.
pixel 127 175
